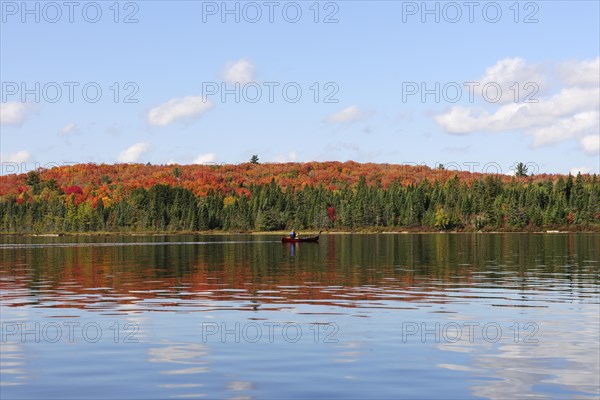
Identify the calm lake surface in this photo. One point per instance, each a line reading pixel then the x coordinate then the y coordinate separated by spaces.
pixel 355 316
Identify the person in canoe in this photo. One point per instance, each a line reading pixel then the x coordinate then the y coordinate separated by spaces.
pixel 293 234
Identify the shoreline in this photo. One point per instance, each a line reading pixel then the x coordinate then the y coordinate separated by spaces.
pixel 303 233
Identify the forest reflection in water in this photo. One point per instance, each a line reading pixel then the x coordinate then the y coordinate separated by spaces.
pixel 375 289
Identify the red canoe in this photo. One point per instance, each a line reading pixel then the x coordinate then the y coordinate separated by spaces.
pixel 288 239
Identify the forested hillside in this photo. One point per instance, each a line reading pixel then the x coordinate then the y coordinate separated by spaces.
pixel 331 195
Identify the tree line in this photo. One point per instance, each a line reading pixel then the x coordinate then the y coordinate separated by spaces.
pixel 487 203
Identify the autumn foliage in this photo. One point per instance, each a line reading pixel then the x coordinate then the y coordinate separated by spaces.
pixel 329 195
pixel 115 180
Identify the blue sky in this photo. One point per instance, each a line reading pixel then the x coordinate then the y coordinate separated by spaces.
pixel 370 68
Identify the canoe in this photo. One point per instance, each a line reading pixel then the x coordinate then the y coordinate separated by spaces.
pixel 300 240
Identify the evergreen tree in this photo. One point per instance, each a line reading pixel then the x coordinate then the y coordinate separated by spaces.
pixel 521 170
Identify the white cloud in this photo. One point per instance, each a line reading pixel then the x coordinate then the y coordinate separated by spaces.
pixel 348 114
pixel 284 158
pixel 570 113
pixel 591 144
pixel 205 158
pixel 462 120
pixel 241 71
pixel 174 109
pixel 509 71
pixel 133 153
pixel 581 73
pixel 68 129
pixel 14 113
pixel 580 170
pixel 514 116
pixel 18 157
pixel 566 128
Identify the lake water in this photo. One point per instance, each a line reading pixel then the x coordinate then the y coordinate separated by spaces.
pixel 355 316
